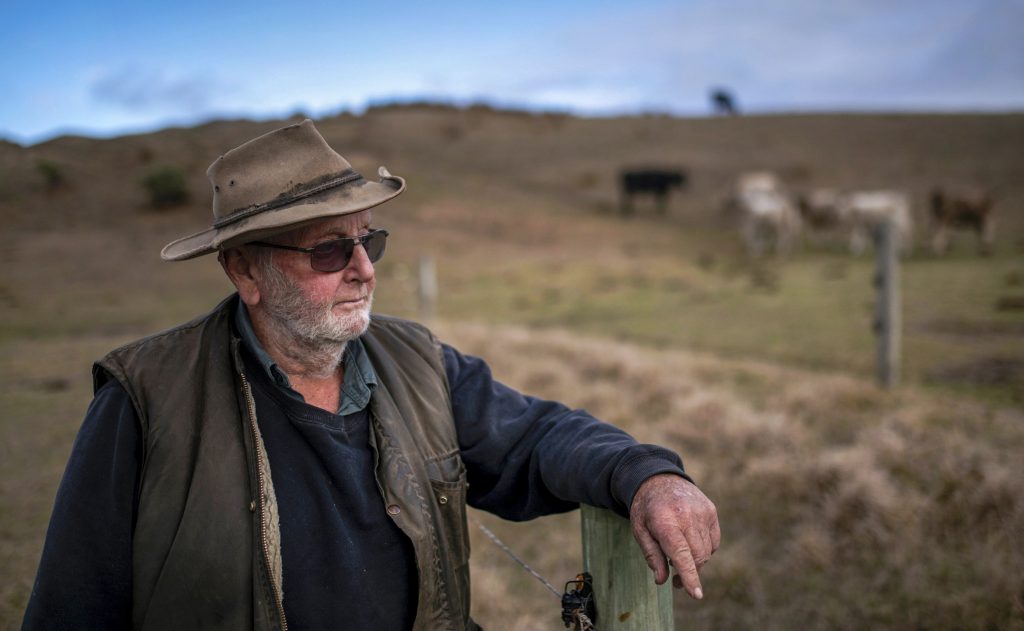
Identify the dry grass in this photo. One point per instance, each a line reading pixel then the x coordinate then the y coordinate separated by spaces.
pixel 842 506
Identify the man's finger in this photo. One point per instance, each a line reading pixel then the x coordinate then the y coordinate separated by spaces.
pixel 701 548
pixel 682 560
pixel 652 554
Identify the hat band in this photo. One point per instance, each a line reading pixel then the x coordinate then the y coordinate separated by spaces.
pixel 346 176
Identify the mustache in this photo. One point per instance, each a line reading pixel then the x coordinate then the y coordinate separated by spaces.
pixel 364 292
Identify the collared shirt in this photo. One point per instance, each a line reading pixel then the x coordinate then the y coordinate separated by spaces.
pixel 359 378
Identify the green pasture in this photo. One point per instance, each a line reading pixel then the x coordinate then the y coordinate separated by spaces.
pixel 814 310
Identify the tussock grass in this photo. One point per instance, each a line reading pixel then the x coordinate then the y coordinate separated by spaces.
pixel 842 506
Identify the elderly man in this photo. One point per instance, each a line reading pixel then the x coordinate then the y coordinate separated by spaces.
pixel 289 460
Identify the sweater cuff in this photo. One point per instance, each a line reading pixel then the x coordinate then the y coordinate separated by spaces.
pixel 642 462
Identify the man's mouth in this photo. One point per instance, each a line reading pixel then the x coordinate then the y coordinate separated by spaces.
pixel 354 302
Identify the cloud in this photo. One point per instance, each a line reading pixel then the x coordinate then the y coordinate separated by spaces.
pixel 985 55
pixel 794 55
pixel 155 90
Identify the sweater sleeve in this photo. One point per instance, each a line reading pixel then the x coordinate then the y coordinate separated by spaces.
pixel 527 457
pixel 84 578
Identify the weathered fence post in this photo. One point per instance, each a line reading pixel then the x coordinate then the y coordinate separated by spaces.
pixel 627 598
pixel 887 324
pixel 427 288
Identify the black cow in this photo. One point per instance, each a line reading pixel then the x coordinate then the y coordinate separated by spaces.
pixel 654 182
pixel 722 102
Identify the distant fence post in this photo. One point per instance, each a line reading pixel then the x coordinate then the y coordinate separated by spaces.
pixel 624 590
pixel 427 288
pixel 887 324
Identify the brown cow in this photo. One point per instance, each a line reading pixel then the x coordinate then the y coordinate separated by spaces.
pixel 966 210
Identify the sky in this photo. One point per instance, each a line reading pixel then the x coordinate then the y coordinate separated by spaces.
pixel 107 68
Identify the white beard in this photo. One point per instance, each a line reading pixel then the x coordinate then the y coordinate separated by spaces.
pixel 313 323
pixel 311 333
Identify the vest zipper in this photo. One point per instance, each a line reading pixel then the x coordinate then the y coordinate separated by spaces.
pixel 254 428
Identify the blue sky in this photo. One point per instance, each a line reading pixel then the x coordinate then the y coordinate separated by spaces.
pixel 103 68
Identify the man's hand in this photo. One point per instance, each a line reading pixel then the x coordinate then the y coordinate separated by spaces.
pixel 672 518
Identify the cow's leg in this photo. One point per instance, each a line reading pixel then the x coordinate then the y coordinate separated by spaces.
pixel 661 201
pixel 940 241
pixel 987 235
pixel 784 237
pixel 904 241
pixel 792 228
pixel 751 238
pixel 858 240
pixel 777 239
pixel 626 203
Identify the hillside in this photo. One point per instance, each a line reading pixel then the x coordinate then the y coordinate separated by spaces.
pixel 574 160
pixel 841 503
pixel 521 212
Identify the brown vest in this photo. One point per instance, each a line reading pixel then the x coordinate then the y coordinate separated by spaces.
pixel 206 552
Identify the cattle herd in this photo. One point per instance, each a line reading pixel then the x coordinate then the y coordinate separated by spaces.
pixel 772 218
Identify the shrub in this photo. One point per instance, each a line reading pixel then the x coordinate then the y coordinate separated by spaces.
pixel 52 173
pixel 166 187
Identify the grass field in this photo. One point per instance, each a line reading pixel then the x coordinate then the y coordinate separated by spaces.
pixel 843 505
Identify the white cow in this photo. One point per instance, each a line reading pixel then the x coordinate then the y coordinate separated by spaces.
pixel 858 213
pixel 863 211
pixel 769 222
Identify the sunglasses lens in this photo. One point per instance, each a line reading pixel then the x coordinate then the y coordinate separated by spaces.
pixel 331 256
pixel 374 244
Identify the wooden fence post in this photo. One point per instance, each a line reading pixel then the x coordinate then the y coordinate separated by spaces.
pixel 624 590
pixel 427 289
pixel 887 324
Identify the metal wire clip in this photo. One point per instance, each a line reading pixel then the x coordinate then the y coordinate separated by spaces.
pixel 578 601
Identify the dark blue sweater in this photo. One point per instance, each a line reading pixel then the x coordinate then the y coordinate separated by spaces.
pixel 525 457
pixel 342 557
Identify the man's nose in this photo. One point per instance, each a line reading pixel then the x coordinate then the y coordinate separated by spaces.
pixel 359 267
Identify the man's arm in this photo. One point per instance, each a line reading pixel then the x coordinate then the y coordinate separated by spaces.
pixel 528 457
pixel 84 578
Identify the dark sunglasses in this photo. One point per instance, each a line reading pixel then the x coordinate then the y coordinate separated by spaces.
pixel 334 255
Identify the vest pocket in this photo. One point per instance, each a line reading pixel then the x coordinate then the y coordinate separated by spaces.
pixel 448 483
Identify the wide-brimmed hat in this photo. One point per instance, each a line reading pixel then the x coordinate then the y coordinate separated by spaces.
pixel 273 183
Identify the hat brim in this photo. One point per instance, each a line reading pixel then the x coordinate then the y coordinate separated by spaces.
pixel 343 200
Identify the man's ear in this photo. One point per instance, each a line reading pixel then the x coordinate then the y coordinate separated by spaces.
pixel 242 273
